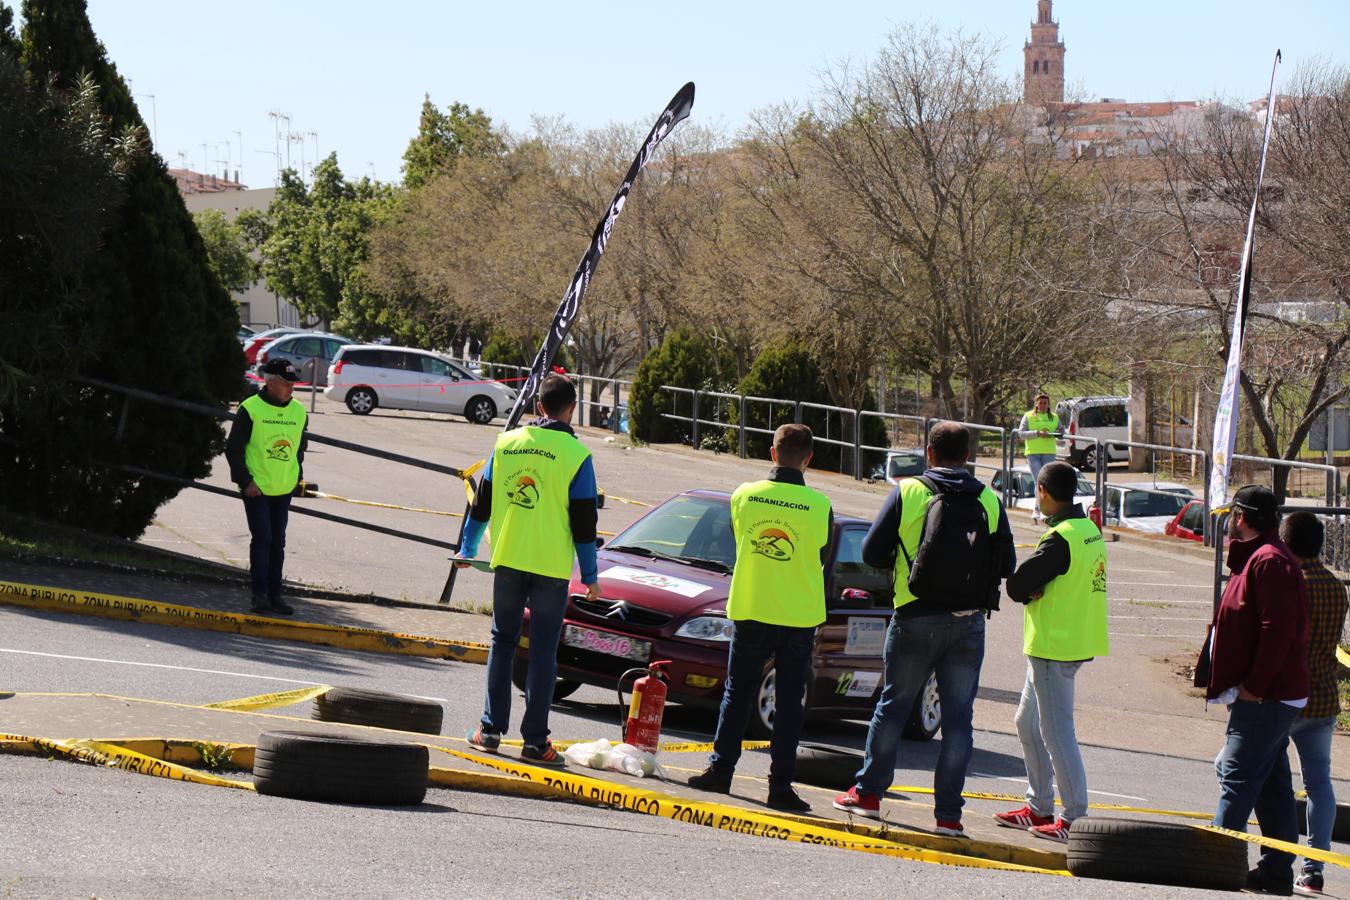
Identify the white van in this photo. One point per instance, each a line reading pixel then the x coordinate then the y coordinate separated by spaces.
pixel 1104 418
pixel 366 376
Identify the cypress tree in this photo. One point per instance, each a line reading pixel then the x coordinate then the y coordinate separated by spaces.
pixel 155 318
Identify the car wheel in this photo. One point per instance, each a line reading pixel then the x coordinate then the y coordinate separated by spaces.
pixel 766 700
pixel 562 688
pixel 480 410
pixel 1089 460
pixel 362 401
pixel 925 719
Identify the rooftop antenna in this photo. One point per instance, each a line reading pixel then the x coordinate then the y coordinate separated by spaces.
pixel 240 135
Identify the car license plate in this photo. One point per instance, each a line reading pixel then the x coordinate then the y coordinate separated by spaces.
pixel 607 642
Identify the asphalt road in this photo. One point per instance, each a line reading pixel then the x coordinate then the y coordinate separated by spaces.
pixel 72 830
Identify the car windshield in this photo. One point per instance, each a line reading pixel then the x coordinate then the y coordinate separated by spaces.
pixel 1147 503
pixel 902 465
pixel 1085 486
pixel 689 528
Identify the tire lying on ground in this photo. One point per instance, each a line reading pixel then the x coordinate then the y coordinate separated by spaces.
pixel 828 767
pixel 1156 853
pixel 360 707
pixel 1340 829
pixel 306 766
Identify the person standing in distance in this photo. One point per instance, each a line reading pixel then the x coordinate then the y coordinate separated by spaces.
pixel 1063 585
pixel 782 530
pixel 1037 431
pixel 1302 533
pixel 537 498
pixel 947 579
pixel 266 453
pixel 1255 661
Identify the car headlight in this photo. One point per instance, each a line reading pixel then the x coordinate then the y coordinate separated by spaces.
pixel 707 628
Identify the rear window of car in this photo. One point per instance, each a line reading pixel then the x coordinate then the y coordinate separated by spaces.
pixel 1193 518
pixel 381 359
pixel 305 346
pixel 1112 416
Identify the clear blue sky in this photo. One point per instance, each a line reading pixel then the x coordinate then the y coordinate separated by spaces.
pixel 356 72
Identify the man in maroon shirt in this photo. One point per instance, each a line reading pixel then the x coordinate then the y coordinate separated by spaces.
pixel 1257 656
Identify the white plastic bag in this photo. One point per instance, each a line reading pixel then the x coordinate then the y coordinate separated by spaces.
pixel 592 754
pixel 630 760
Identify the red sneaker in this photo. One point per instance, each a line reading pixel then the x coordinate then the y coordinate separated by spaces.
pixel 1022 819
pixel 950 829
pixel 1057 830
pixel 863 804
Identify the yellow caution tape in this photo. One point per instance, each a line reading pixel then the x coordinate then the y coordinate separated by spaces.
pixel 1019 798
pixel 270 701
pixel 115 757
pixel 1342 656
pixel 609 496
pixel 468 479
pixel 565 784
pixel 322 495
pixel 151 612
pixel 664 748
pixel 1326 856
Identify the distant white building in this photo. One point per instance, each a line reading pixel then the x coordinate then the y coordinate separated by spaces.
pixel 259 308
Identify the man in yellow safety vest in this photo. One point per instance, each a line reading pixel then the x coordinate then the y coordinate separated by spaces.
pixel 266 453
pixel 537 498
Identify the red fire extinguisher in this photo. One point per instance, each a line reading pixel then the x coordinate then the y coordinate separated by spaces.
pixel 642 727
pixel 1095 514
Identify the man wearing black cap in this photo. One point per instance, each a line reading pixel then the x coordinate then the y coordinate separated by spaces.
pixel 1256 662
pixel 265 450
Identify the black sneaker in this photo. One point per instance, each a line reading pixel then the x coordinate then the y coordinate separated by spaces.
pixel 711 781
pixel 259 604
pixel 1309 884
pixel 785 799
pixel 1260 883
pixel 542 755
pixel 281 606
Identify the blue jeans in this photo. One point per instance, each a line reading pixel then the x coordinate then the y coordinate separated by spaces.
pixel 751 646
pixel 1312 740
pixel 512 591
pixel 953 646
pixel 267 517
pixel 1253 769
pixel 1049 742
pixel 1037 461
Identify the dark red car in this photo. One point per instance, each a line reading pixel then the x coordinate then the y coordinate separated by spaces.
pixel 663 596
pixel 1189 523
pixel 260 340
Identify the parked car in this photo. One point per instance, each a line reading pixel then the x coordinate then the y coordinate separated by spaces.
pixel 663 595
pixel 1189 524
pixel 901 464
pixel 262 339
pixel 1145 508
pixel 367 376
pixel 1104 418
pixel 244 333
pixel 306 349
pixel 1023 493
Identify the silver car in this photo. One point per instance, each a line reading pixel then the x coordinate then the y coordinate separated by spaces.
pixel 312 353
pixel 367 376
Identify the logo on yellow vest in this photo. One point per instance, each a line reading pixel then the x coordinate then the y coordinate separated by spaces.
pixel 1099 578
pixel 280 450
pixel 775 544
pixel 524 493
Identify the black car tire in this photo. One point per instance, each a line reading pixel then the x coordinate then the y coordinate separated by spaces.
pixel 1156 853
pixel 925 717
pixel 480 410
pixel 1088 461
pixel 562 688
pixel 822 765
pixel 306 766
pixel 360 707
pixel 1340 829
pixel 362 401
pixel 761 713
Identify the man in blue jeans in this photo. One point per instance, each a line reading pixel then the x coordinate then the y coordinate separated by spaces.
pixel 1302 533
pixel 538 494
pixel 927 634
pixel 782 530
pixel 1255 662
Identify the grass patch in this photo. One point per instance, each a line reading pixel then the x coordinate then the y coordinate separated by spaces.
pixel 1343 690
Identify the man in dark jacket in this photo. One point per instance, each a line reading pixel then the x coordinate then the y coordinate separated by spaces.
pixel 1256 660
pixel 927 634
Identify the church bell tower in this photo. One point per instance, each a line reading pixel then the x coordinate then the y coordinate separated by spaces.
pixel 1044 59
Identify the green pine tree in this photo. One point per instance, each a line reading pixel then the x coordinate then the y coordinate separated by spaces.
pixel 156 318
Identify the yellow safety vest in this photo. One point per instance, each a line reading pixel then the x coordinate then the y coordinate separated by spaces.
pixel 1069 621
pixel 532 472
pixel 914 500
pixel 1038 422
pixel 273 450
pixel 780 530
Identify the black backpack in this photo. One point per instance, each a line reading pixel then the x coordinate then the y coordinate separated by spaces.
pixel 957 565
